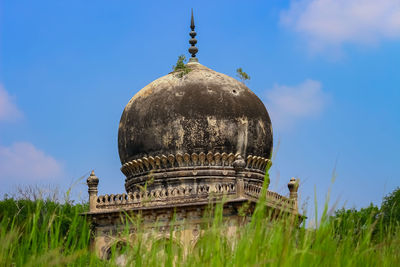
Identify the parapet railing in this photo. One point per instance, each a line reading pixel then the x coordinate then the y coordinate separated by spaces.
pixel 254 190
pixel 174 195
pixel 190 194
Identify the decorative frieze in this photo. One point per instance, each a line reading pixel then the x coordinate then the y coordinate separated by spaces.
pixel 163 162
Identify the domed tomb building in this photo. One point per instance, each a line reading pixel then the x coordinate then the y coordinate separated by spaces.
pixel 186 140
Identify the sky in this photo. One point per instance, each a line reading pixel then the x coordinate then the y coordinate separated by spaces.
pixel 328 72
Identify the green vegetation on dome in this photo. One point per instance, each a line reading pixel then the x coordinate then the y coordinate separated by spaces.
pixel 181 67
pixel 243 76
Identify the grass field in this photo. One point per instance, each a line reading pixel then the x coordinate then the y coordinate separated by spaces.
pixel 47 233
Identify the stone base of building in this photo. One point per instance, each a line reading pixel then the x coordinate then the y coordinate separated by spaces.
pixel 178 215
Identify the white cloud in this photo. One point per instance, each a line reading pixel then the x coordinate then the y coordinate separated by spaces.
pixel 287 104
pixel 334 22
pixel 22 161
pixel 8 110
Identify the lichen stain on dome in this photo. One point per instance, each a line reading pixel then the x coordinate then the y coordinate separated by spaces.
pixel 169 139
pixel 262 126
pixel 243 128
pixel 145 91
pixel 213 128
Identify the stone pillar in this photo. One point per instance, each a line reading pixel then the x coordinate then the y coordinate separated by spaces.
pixel 293 186
pixel 92 183
pixel 239 164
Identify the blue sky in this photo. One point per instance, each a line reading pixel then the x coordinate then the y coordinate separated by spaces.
pixel 328 72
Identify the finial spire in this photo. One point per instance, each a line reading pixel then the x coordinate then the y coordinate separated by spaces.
pixel 193 49
pixel 192 22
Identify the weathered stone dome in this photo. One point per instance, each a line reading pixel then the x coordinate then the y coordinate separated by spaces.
pixel 202 111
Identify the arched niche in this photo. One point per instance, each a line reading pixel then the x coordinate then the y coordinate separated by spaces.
pixel 166 249
pixel 204 246
pixel 119 252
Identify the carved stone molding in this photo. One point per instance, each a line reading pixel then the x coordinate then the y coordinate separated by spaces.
pixel 163 162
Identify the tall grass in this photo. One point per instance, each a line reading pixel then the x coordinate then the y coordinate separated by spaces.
pixel 43 233
pixel 46 233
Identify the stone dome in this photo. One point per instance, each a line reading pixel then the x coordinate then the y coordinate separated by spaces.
pixel 200 111
pixel 192 120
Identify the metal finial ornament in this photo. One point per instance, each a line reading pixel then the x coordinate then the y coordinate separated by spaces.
pixel 193 49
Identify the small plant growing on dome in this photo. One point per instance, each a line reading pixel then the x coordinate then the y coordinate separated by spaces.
pixel 243 76
pixel 181 67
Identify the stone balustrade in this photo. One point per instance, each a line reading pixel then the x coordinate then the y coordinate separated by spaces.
pixel 254 190
pixel 185 194
pixel 168 196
